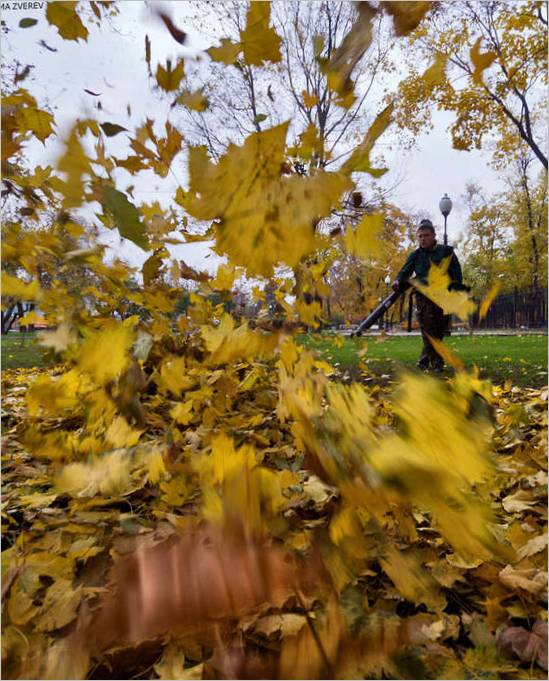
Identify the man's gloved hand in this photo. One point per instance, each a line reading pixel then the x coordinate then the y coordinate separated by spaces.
pixel 395 285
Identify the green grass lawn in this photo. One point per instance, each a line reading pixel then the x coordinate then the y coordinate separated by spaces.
pixel 21 350
pixel 521 358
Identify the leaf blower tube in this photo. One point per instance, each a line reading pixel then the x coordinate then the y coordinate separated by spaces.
pixel 376 314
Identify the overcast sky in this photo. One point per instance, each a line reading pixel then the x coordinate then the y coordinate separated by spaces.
pixel 112 63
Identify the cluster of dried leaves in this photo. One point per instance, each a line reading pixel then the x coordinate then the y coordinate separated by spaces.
pixel 195 498
pixel 320 530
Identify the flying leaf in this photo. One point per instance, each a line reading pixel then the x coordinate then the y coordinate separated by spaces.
pixel 364 241
pixel 188 272
pixel 148 53
pixel 108 475
pixel 75 164
pixel 436 73
pixel 112 129
pixel 263 217
pixel 406 15
pixel 17 288
pixel 36 120
pixel 151 268
pixel 309 100
pixel 227 53
pixel 411 579
pixel 341 64
pixel 224 278
pixel 489 299
pixel 126 216
pixel 169 79
pixel 27 22
pixel 44 44
pixel 452 302
pixel 59 339
pixel 359 161
pixel 480 61
pixel 196 101
pixel 447 355
pixel 177 34
pixel 63 15
pixel 113 342
pixel 94 94
pixel 260 43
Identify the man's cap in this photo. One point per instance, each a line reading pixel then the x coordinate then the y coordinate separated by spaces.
pixel 426 224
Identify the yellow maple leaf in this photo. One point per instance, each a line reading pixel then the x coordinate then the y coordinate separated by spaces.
pixel 174 376
pixel 436 73
pixel 359 161
pixel 260 42
pixel 436 289
pixel 156 469
pixel 75 164
pixel 193 100
pixel 488 299
pixel 63 15
pixel 309 313
pixel 263 218
pixel 309 100
pixel 227 53
pixel 310 143
pixel 412 580
pixel 480 61
pixel 14 287
pixel 364 241
pixel 105 354
pixel 226 342
pixel 107 475
pixel 169 79
pixel 36 120
pixel 224 278
pixel 120 434
pixel 407 14
pixel 447 355
pixel 32 318
pixel 182 413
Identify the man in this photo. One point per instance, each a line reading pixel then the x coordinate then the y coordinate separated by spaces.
pixel 432 320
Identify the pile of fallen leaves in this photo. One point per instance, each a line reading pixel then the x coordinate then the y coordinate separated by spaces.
pixel 322 529
pixel 190 497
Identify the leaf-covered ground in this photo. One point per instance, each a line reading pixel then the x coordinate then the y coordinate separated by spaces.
pixel 346 603
pixel 185 496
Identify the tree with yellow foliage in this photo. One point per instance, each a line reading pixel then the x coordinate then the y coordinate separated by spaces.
pixel 495 57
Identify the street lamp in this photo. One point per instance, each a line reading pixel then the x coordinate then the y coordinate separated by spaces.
pixel 445 205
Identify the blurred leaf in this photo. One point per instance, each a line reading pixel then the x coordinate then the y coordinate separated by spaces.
pixel 227 53
pixel 126 216
pixel 63 15
pixel 112 129
pixel 260 43
pixel 196 101
pixel 488 299
pixel 480 61
pixel 27 22
pixel 168 79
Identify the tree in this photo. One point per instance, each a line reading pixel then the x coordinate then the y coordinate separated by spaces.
pixel 247 97
pixel 526 213
pixel 357 284
pixel 495 54
pixel 486 241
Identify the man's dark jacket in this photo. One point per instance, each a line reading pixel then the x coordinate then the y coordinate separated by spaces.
pixel 419 262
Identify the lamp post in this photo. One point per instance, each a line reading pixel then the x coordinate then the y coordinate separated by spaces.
pixel 445 205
